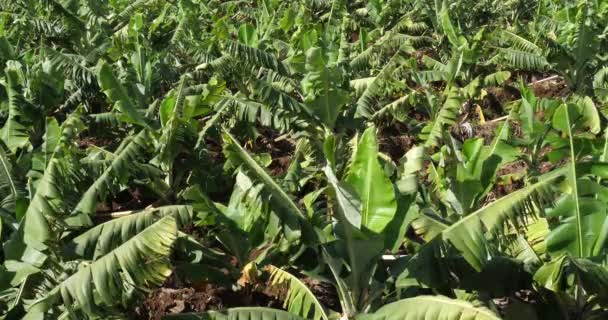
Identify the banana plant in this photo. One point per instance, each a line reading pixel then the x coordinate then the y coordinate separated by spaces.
pixel 368 213
pixel 576 239
pixel 179 108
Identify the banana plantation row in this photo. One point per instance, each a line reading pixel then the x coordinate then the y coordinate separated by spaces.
pixel 309 159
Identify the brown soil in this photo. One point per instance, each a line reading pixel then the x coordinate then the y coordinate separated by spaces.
pixel 279 165
pixel 281 149
pixel 420 53
pixel 133 198
pixel 395 141
pixel 496 98
pixel 503 188
pixel 551 89
pixel 209 297
pixel 545 166
pixel 167 301
pixel 513 168
pixel 203 298
pixel 325 293
pixel 509 180
pixel 86 142
pixel 521 296
pixel 417 115
pixel 486 131
pixel 395 146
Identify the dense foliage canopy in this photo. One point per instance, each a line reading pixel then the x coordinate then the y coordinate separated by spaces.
pixel 414 159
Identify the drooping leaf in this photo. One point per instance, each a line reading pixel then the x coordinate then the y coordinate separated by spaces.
pixel 248 35
pixel 321 85
pixel 16 130
pixel 432 307
pixel 122 167
pixel 48 199
pixel 367 178
pixel 142 261
pixel 289 212
pixel 467 234
pixel 523 59
pixel 224 105
pixel 594 223
pixel 374 87
pixel 593 277
pixel 349 205
pixel 257 57
pixel 175 125
pixel 12 185
pixel 299 300
pixel 432 132
pixel 118 94
pixel 496 78
pixel 550 274
pixel 590 115
pixel 450 31
pixel 105 237
pixel 52 135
